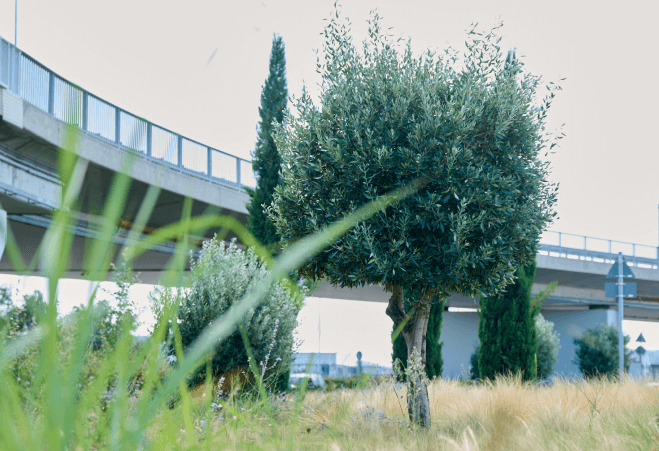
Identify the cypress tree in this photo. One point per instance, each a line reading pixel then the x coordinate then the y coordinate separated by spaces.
pixel 266 161
pixel 506 329
pixel 434 361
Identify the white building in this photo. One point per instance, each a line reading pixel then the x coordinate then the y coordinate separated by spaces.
pixel 650 361
pixel 324 363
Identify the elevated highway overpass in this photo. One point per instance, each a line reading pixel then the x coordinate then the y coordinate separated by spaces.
pixel 44 114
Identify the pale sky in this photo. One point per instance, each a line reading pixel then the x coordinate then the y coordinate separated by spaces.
pixel 150 58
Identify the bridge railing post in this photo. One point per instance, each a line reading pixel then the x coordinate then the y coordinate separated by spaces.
pixel 149 138
pixel 51 93
pixel 85 110
pixel 180 150
pixel 209 162
pixel 117 125
pixel 585 248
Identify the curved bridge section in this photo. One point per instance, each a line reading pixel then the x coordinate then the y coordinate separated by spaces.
pixel 44 114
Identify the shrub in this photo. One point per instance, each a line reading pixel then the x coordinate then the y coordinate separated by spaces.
pixel 506 329
pixel 220 277
pixel 548 346
pixel 597 352
pixel 474 374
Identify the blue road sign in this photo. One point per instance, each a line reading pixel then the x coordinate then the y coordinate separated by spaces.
pixel 611 290
pixel 626 271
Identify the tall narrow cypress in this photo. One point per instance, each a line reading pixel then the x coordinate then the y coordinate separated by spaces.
pixel 506 329
pixel 266 161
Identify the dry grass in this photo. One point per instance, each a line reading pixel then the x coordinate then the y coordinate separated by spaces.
pixel 504 415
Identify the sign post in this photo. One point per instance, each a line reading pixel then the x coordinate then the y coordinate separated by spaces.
pixel 620 270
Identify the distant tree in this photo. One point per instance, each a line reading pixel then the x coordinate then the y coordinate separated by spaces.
pixel 474 374
pixel 597 352
pixel 548 346
pixel 20 318
pixel 434 361
pixel 506 329
pixel 469 133
pixel 266 161
pixel 548 340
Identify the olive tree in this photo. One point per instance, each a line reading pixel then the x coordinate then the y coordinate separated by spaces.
pixel 470 129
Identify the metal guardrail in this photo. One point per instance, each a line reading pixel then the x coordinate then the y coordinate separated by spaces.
pixel 38 85
pixel 582 247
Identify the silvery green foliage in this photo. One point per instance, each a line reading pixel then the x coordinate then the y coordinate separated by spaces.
pixel 473 128
pixel 220 277
pixel 548 346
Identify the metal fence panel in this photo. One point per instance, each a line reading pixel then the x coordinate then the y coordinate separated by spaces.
pixel 35 84
pixel 133 132
pixel 646 251
pixel 549 237
pixel 224 166
pixel 101 118
pixel 194 156
pixel 4 62
pixel 10 60
pixel 625 248
pixel 164 145
pixel 597 244
pixel 247 174
pixel 573 241
pixel 67 105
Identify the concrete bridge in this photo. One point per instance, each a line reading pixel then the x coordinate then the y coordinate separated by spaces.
pixel 39 109
pixel 43 114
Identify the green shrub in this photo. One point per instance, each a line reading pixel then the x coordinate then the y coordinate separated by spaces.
pixel 474 374
pixel 220 277
pixel 597 352
pixel 548 346
pixel 506 329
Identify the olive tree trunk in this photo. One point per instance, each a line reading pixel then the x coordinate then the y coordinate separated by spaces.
pixel 414 332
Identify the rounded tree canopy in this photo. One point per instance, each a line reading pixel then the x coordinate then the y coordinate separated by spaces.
pixel 471 128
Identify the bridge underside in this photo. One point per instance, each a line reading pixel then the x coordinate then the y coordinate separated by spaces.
pixel 565 298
